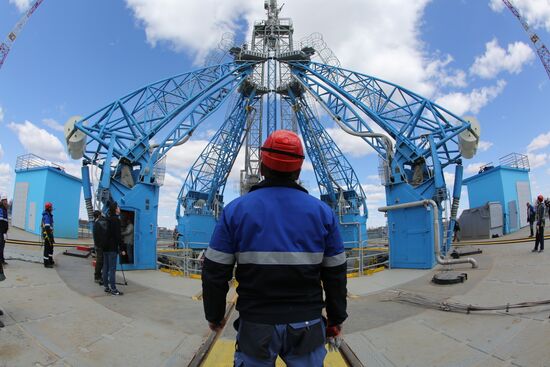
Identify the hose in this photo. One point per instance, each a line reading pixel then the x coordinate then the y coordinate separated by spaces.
pixel 453 306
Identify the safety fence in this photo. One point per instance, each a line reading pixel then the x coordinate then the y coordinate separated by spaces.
pixel 188 262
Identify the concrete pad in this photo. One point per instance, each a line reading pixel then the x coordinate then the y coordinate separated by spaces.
pixel 409 343
pixel 529 347
pixel 377 282
pixel 140 343
pixel 18 348
pixel 165 282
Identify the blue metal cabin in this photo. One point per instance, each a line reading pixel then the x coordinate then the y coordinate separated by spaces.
pixel 508 184
pixel 37 182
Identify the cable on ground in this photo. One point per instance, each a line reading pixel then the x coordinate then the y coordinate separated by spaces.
pixel 399 295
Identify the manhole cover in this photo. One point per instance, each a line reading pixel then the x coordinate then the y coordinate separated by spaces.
pixel 449 277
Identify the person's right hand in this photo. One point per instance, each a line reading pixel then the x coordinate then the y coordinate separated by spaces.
pixel 333 331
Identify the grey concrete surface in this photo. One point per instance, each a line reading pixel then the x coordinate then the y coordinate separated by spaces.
pixel 387 333
pixel 59 317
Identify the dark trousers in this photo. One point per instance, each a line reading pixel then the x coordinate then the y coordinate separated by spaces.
pixel 2 245
pixel 539 237
pixel 109 269
pixel 98 263
pixel 300 344
pixel 48 251
pixel 531 228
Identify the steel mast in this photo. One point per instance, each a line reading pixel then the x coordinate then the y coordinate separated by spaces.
pixel 542 51
pixel 5 46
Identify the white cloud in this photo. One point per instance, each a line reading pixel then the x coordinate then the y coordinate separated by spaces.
pixel 375 193
pixel 484 145
pixel 393 51
pixel 52 124
pixel 541 141
pixel 536 12
pixel 195 25
pixel 449 178
pixel 461 103
pixel 39 141
pixel 22 5
pixel 72 168
pixel 473 168
pixel 181 158
pixel 307 166
pixel 1 152
pixel 496 59
pixel 440 71
pixel 1 114
pixel 349 144
pixel 537 160
pixel 5 179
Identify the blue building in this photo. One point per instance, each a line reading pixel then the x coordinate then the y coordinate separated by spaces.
pixel 507 184
pixel 37 182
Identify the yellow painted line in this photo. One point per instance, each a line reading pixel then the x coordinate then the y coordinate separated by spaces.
pixel 501 242
pixel 374 271
pixel 223 351
pixel 37 244
pixel 172 272
pixel 355 274
pixel 382 248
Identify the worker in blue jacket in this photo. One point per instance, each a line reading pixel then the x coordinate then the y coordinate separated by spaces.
pixel 47 234
pixel 3 237
pixel 539 236
pixel 285 244
pixel 3 227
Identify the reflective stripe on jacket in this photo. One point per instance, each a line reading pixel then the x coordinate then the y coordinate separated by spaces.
pixel 285 242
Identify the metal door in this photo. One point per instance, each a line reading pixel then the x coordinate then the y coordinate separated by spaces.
pixel 19 210
pixel 512 216
pixel 32 217
pixel 524 197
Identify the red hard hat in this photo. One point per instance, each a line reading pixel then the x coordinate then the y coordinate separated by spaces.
pixel 48 206
pixel 540 197
pixel 283 151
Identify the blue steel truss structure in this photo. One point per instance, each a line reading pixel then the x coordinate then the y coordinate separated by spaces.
pixel 415 138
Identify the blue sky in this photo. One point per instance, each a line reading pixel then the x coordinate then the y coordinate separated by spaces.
pixel 471 56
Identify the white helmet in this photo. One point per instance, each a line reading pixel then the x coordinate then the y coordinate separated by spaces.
pixel 3 197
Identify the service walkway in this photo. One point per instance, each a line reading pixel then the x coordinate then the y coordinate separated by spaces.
pixel 59 317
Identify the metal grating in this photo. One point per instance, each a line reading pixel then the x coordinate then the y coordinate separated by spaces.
pixel 515 160
pixel 29 161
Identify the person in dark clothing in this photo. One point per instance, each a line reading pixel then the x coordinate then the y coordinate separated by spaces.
pixel 531 217
pixel 3 227
pixel 100 232
pixel 111 249
pixel 2 278
pixel 456 231
pixel 539 237
pixel 47 235
pixel 285 244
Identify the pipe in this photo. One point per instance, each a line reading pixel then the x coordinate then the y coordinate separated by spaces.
pixel 439 258
pixel 359 237
pixel 363 134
